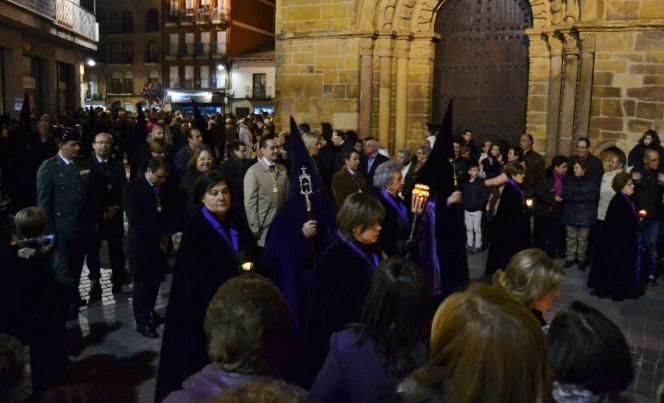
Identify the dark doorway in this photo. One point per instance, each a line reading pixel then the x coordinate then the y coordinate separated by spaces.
pixel 482 62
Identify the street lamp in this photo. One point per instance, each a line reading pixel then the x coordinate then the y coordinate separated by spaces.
pixel 90 62
pixel 220 67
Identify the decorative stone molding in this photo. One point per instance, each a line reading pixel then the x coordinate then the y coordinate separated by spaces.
pixel 555 44
pixel 571 43
pixel 588 42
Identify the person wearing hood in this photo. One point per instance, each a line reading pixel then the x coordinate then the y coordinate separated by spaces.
pixel 247 326
pixel 650 139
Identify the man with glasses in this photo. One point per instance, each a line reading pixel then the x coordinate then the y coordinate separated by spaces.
pixel 108 180
pixel 149 241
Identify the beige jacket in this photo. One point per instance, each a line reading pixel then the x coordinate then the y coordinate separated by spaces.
pixel 261 202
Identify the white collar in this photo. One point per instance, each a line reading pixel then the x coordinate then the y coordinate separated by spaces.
pixel 65 159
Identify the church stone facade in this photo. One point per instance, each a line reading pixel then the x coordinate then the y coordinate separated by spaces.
pixel 596 68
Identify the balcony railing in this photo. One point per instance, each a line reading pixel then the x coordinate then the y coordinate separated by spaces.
pixel 199 16
pixel 77 19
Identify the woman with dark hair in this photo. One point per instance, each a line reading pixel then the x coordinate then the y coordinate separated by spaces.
pixel 201 162
pixel 589 355
pixel 390 341
pixel 344 272
pixel 247 328
pixel 214 245
pixel 650 139
pixel 549 207
pixel 396 225
pixel 617 271
pixel 493 164
pixel 510 229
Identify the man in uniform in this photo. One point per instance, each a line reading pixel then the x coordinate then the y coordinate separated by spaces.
pixel 62 191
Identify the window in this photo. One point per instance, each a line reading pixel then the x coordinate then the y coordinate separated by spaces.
pixel 116 83
pixel 174 77
pixel 128 82
pixel 221 42
pixel 189 43
pixel 260 80
pixel 115 23
pixel 127 52
pixel 205 77
pixel 204 45
pixel 115 53
pixel 173 44
pixel 188 76
pixel 127 22
pixel 152 21
pixel 173 8
pixel 153 52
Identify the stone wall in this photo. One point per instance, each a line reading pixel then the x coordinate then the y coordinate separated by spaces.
pixel 628 86
pixel 317 73
pixel 595 68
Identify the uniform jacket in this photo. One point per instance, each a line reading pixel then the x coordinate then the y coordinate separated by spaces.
pixel 261 202
pixel 63 192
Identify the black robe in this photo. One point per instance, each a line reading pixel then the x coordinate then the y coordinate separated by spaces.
pixel 342 282
pixel 204 262
pixel 617 271
pixel 510 230
pixel 395 229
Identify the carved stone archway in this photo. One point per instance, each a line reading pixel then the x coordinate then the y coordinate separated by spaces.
pixel 398 52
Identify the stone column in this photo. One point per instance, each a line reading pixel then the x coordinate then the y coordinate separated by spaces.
pixel 585 85
pixel 555 84
pixel 366 86
pixel 571 51
pixel 401 99
pixel 384 53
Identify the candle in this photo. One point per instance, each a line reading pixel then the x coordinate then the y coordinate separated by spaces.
pixel 642 214
pixel 529 203
pixel 247 266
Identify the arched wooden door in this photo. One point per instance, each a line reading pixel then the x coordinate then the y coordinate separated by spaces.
pixel 482 61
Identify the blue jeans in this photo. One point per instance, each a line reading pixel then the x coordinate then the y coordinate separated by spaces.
pixel 650 235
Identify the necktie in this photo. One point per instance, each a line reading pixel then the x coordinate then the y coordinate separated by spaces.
pixel 272 168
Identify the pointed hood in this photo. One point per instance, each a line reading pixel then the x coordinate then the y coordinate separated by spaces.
pixel 438 172
pixel 287 254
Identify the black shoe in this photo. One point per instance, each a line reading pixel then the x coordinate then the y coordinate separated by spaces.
pixel 652 281
pixel 568 264
pixel 156 318
pixel 147 331
pixel 95 292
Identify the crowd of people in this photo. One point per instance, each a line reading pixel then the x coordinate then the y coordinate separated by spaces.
pixel 306 267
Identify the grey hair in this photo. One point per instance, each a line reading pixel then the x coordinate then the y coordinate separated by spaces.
pixel 384 172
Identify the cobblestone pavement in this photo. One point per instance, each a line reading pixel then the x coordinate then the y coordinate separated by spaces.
pixel 107 352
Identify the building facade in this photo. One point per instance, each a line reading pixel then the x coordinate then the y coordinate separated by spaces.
pixel 42 54
pixel 200 36
pixel 128 65
pixel 252 83
pixel 592 68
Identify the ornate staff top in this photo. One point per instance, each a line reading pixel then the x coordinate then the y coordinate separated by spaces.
pixel 306 187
